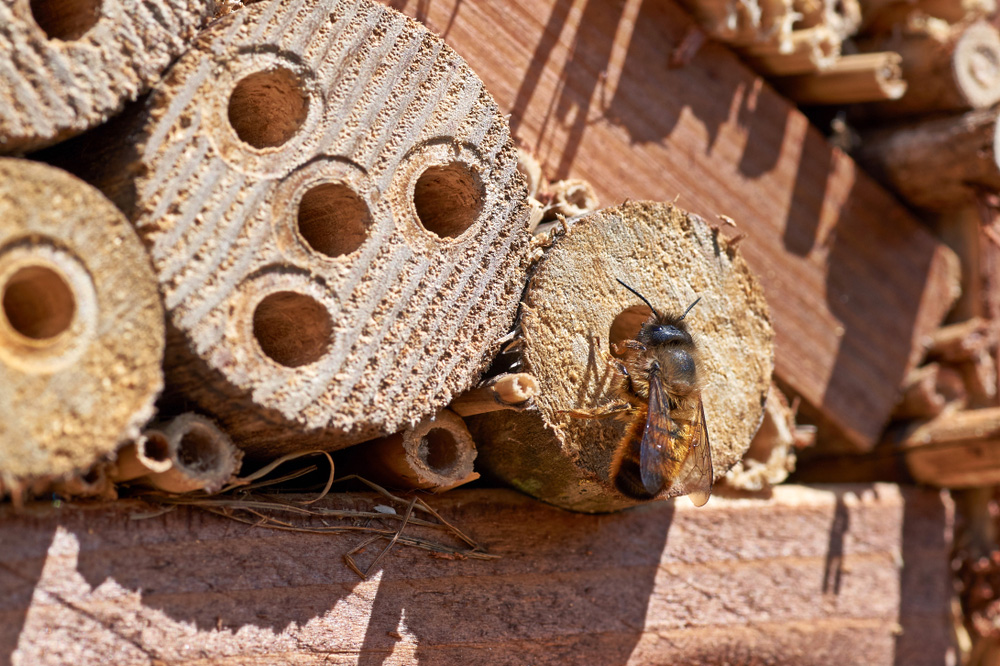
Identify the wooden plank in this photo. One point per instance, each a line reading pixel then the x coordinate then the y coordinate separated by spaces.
pixel 852 279
pixel 842 574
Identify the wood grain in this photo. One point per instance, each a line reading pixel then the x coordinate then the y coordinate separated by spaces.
pixel 66 65
pixel 81 327
pixel 589 90
pixel 841 574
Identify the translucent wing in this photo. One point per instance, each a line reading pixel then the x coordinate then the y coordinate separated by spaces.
pixel 696 474
pixel 656 458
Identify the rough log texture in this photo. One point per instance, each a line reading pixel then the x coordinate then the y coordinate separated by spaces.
pixel 590 93
pixel 66 65
pixel 956 450
pixel 937 164
pixel 334 212
pixel 952 68
pixel 574 308
pixel 81 326
pixel 837 575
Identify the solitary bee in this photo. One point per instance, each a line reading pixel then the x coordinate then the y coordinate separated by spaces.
pixel 666 447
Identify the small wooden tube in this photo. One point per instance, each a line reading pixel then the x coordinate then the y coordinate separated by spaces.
pixel 81 326
pixel 567 326
pixel 937 164
pixel 150 454
pixel 65 66
pixel 437 454
pixel 508 391
pixel 865 77
pixel 201 456
pixel 802 52
pixel 353 242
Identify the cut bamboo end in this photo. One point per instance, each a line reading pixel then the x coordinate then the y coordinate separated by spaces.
pixel 437 454
pixel 956 450
pixel 69 64
pixel 81 327
pixel 864 77
pixel 509 391
pixel 357 245
pixel 802 52
pixel 964 151
pixel 841 17
pixel 569 323
pixel 94 483
pixel 733 22
pixel 150 454
pixel 200 455
pixel 571 198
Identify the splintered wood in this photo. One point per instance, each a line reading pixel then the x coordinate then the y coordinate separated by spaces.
pixel 568 323
pixel 849 575
pixel 81 327
pixel 332 204
pixel 66 65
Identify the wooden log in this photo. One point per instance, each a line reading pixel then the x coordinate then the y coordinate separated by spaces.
pixel 569 323
pixel 66 65
pixel 957 67
pixel 437 454
pixel 929 390
pixel 351 246
pixel 963 150
pixel 955 450
pixel 81 326
pixel 852 79
pixel 583 96
pixel 961 341
pixel 861 580
pixel 801 52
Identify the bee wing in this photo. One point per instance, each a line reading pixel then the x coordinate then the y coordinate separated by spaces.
pixel 655 449
pixel 696 474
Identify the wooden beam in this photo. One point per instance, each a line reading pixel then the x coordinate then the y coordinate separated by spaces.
pixel 841 574
pixel 589 91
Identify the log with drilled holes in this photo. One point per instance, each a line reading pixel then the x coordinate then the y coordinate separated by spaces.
pixel 574 309
pixel 81 327
pixel 332 204
pixel 66 65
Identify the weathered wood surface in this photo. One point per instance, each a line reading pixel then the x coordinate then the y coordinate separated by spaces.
pixel 590 92
pixel 81 327
pixel 331 201
pixel 66 65
pixel 574 310
pixel 836 575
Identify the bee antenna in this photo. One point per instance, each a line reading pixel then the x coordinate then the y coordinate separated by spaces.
pixel 689 308
pixel 644 299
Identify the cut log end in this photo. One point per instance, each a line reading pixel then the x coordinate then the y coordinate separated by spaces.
pixel 568 325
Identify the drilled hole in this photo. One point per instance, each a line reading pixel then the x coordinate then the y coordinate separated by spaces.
pixel 38 303
pixel 291 328
pixel 442 450
pixel 448 199
pixel 333 219
pixel 198 450
pixel 66 19
pixel 627 324
pixel 267 108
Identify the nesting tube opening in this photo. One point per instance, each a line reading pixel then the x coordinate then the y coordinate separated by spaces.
pixel 38 303
pixel 448 199
pixel 268 108
pixel 626 325
pixel 442 450
pixel 67 20
pixel 333 219
pixel 292 329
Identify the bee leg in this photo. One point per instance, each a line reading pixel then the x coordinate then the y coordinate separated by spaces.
pixel 609 410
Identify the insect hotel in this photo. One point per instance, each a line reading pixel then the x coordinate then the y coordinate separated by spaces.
pixel 514 332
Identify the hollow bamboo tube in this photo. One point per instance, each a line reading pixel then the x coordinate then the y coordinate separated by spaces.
pixel 938 164
pixel 150 454
pixel 353 242
pixel 841 17
pixel 437 454
pixel 201 456
pixel 953 68
pixel 81 326
pixel 801 52
pixel 865 77
pixel 66 65
pixel 509 391
pixel 568 322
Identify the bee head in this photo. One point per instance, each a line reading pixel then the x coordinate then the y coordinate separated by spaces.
pixel 656 334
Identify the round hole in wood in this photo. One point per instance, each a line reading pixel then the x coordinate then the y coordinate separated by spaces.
pixel 627 324
pixel 38 302
pixel 198 450
pixel 448 199
pixel 67 20
pixel 333 219
pixel 442 450
pixel 291 328
pixel 267 108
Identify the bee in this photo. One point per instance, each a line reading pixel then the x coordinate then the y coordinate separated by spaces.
pixel 665 449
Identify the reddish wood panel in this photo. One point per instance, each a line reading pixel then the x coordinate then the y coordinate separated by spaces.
pixel 853 280
pixel 845 575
